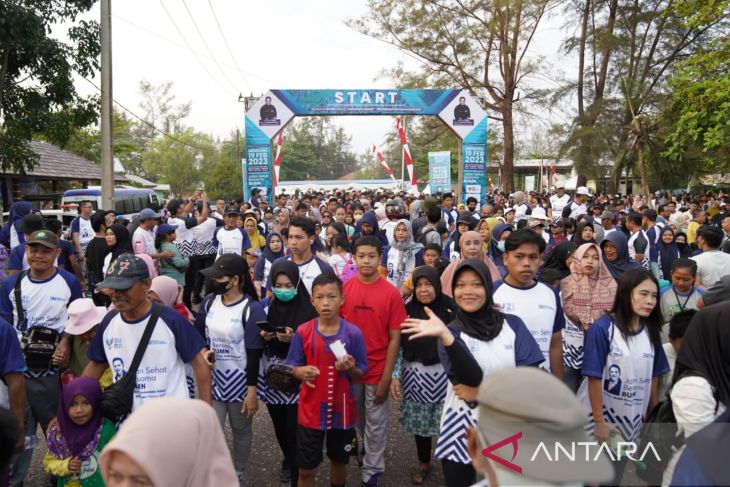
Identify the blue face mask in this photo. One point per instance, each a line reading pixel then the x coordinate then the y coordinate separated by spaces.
pixel 500 245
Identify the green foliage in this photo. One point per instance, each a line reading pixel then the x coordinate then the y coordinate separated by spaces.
pixel 223 179
pixel 36 86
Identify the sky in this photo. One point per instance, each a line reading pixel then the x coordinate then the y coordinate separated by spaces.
pixel 273 44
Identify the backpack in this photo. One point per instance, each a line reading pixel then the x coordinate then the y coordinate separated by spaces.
pixel 421 237
pixel 245 315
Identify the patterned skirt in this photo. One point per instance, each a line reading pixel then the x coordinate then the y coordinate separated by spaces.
pixel 424 389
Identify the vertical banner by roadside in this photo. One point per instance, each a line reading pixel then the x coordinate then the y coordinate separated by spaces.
pixel 439 171
pixel 474 175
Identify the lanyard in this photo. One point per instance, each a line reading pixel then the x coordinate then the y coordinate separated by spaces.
pixel 682 306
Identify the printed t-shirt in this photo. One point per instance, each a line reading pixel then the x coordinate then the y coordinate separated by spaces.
pixel 391 259
pixel 327 407
pixel 83 227
pixel 308 271
pixel 229 338
pixel 638 244
pixel 376 308
pixel 672 302
pixel 143 241
pixel 184 238
pixel 712 265
pixel 11 359
pixel 557 204
pixel 512 347
pixel 626 366
pixel 161 373
pixel 234 241
pixel 540 309
pixel 203 235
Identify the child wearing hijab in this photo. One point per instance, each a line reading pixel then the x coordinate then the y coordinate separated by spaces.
pixel 587 294
pixel 166 291
pixel 169 442
pixel 419 379
pixel 78 435
pixel 400 258
pixel 273 249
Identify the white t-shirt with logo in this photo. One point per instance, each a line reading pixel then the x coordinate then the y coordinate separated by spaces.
pixel 203 235
pixel 85 231
pixel 540 309
pixel 144 240
pixel 161 373
pixel 558 203
pixel 230 338
pixel 307 271
pixel 184 238
pixel 233 241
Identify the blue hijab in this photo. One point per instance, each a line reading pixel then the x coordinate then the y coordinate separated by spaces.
pixel 15 217
pixel 665 254
pixel 493 252
pixel 269 254
pixel 623 262
pixel 369 217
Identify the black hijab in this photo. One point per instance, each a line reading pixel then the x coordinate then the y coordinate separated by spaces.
pixel 425 350
pixel 577 238
pixel 124 241
pixel 705 349
pixel 485 323
pixel 555 269
pixel 623 262
pixel 292 313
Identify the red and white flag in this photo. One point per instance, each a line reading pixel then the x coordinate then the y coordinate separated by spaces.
pixel 555 175
pixel 382 162
pixel 406 150
pixel 277 159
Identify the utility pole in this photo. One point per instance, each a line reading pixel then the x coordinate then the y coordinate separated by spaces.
pixel 107 149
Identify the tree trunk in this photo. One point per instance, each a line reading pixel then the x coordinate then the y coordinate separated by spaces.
pixel 644 175
pixel 508 183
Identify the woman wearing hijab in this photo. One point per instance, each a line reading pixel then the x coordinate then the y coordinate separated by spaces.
pixel 289 307
pixel 11 234
pixel 557 266
pixel 615 248
pixel 169 442
pixel 368 225
pixel 78 435
pixel 663 254
pixel 282 221
pixel 480 340
pixel 496 246
pixel 685 250
pixel 273 249
pixel 250 226
pixel 400 258
pixel 471 249
pixel 701 390
pixel 584 233
pixel 587 294
pixel 419 379
pixel 118 242
pixel 464 223
pixel 522 209
pixel 166 290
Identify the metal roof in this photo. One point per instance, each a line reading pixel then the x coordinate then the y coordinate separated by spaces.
pixel 56 163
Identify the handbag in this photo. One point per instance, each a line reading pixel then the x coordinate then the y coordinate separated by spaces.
pixel 280 376
pixel 117 399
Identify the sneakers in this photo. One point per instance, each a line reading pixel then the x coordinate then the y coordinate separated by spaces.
pixel 372 481
pixel 241 481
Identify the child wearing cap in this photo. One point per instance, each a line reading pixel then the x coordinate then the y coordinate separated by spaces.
pixel 176 265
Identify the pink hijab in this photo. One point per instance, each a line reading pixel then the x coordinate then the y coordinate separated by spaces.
pixel 166 289
pixel 177 442
pixel 447 277
pixel 587 297
pixel 150 264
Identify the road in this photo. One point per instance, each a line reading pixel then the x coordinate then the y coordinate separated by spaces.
pixel 263 465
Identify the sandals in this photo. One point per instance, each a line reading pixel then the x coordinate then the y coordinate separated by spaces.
pixel 419 475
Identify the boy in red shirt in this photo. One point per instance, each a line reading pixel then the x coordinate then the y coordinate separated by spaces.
pixel 376 307
pixel 327 354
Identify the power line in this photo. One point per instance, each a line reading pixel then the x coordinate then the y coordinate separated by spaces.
pixel 150 125
pixel 193 51
pixel 207 47
pixel 225 41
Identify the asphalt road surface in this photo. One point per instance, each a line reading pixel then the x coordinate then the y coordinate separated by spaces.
pixel 265 460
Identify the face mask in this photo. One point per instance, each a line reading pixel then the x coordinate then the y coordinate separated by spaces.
pixel 219 288
pixel 500 245
pixel 284 294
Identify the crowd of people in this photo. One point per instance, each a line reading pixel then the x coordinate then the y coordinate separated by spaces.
pixel 132 343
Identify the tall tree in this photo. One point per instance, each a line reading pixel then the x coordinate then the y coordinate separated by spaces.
pixel 479 45
pixel 37 93
pixel 180 163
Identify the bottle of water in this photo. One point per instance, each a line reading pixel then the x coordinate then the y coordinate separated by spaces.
pixel 31 442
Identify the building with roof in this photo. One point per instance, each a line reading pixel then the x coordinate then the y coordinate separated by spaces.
pixel 56 170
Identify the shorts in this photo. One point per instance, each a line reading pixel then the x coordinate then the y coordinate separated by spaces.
pixel 310 441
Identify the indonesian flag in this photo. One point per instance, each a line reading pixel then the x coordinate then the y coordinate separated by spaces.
pixel 406 150
pixel 382 162
pixel 277 160
pixel 555 175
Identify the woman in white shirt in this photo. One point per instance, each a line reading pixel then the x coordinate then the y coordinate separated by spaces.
pixel 701 390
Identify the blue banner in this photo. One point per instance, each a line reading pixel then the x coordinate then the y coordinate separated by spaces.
pixel 474 175
pixel 439 171
pixel 258 169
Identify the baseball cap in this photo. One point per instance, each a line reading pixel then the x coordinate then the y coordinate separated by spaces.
pixel 541 409
pixel 148 213
pixel 31 223
pixel 607 215
pixel 582 190
pixel 226 265
pixel 83 315
pixel 43 237
pixel 124 272
pixel 166 228
pixel 232 210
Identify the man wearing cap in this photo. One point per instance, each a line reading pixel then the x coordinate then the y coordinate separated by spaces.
pixel 578 207
pixel 558 201
pixel 184 237
pixel 18 260
pixel 542 411
pixel 174 342
pixel 608 222
pixel 143 240
pixel 45 294
pixel 230 239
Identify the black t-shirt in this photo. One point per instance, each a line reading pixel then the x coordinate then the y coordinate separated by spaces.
pixel 95 253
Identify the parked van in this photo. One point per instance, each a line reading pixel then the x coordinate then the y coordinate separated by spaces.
pixel 128 202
